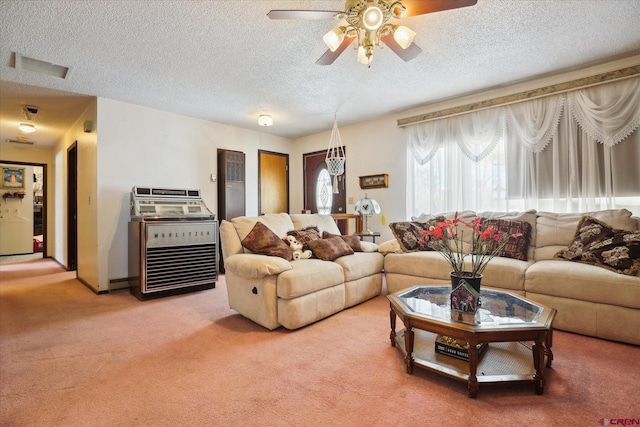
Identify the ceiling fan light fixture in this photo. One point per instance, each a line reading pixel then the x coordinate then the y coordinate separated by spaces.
pixel 404 36
pixel 27 127
pixel 334 38
pixel 372 18
pixel 362 56
pixel 265 120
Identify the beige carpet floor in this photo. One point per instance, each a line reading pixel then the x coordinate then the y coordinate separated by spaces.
pixel 69 357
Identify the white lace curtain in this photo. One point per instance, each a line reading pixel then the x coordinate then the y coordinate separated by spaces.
pixel 561 152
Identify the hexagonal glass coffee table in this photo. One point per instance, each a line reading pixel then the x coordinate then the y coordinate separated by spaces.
pixel 509 337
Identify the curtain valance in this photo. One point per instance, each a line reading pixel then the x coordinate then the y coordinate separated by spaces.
pixel 608 113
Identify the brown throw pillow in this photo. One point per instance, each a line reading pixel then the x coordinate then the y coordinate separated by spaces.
pixel 352 241
pixel 330 249
pixel 516 247
pixel 410 236
pixel 305 235
pixel 597 243
pixel 261 240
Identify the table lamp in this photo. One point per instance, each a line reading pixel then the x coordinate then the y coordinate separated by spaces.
pixel 367 207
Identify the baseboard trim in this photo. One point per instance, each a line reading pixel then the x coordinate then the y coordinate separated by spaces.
pixel 116 285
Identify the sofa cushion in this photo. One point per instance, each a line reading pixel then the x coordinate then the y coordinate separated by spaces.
pixel 505 273
pixel 330 249
pixel 352 241
pixel 254 266
pixel 368 246
pixel 279 223
pixel 530 216
pixel 516 247
pixel 596 243
pixel 307 276
pixel 555 231
pixel 464 216
pixel 261 240
pixel 390 247
pixel 323 222
pixel 305 235
pixel 582 282
pixel 410 236
pixel 361 264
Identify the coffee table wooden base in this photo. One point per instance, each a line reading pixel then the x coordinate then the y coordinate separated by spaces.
pixel 500 361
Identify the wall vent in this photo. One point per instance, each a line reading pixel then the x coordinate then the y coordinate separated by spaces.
pixel 20 141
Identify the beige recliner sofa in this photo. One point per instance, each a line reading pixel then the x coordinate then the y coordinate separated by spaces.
pixel 590 300
pixel 275 292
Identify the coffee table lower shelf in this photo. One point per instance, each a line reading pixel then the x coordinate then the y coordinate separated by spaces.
pixel 499 362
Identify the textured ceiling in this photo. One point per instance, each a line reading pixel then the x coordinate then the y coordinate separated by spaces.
pixel 226 62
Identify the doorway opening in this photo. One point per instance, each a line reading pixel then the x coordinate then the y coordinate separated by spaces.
pixel 23 211
pixel 72 207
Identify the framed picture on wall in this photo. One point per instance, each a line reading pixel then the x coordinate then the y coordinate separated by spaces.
pixel 13 177
pixel 374 181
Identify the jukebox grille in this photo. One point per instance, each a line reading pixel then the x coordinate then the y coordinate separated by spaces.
pixel 177 266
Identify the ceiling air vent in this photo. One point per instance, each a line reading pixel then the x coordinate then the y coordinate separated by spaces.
pixel 41 67
pixel 20 141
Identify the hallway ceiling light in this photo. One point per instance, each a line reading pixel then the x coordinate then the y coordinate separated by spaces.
pixel 27 127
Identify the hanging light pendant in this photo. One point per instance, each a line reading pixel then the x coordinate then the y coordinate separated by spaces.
pixel 335 158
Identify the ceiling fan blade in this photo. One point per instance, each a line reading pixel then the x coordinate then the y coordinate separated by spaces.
pixel 420 7
pixel 308 15
pixel 329 57
pixel 406 54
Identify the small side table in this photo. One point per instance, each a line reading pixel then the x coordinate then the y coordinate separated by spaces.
pixel 372 235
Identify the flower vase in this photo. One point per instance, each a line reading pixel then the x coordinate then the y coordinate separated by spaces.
pixel 469 278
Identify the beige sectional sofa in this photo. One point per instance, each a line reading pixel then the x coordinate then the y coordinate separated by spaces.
pixel 275 292
pixel 590 300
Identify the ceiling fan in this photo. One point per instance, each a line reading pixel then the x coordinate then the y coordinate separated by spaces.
pixel 367 21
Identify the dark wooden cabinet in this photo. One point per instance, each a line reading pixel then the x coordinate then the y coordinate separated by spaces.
pixel 231 187
pixel 231 184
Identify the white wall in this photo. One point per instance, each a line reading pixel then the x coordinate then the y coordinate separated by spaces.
pixel 146 147
pixel 87 267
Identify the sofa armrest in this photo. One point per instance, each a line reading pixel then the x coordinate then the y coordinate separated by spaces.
pixel 255 266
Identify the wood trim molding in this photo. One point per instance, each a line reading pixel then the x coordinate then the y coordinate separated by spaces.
pixel 526 95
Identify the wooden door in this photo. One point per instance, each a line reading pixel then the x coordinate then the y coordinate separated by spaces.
pixel 315 171
pixel 72 207
pixel 273 182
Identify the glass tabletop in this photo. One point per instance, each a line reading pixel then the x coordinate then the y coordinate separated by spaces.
pixel 497 309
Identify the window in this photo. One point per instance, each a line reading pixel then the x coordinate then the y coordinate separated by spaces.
pixel 574 152
pixel 324 192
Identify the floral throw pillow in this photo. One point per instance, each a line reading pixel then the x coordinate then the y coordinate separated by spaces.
pixel 352 241
pixel 261 240
pixel 410 234
pixel 330 249
pixel 516 247
pixel 599 244
pixel 305 235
